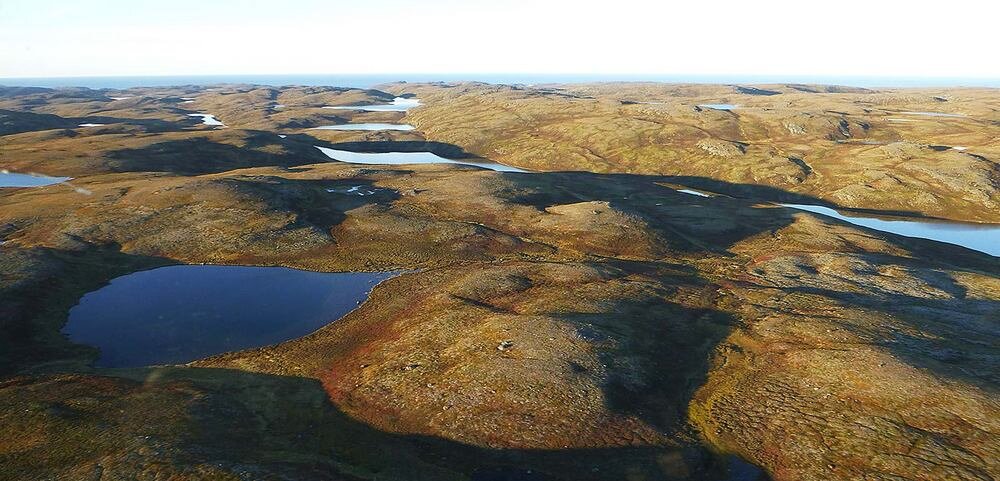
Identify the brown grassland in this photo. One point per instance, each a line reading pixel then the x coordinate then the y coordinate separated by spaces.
pixel 585 321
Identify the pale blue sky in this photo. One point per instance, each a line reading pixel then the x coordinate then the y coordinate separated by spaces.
pixel 716 37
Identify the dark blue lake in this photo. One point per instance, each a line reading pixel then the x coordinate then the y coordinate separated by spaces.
pixel 178 314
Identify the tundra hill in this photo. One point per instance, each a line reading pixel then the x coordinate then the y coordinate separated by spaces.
pixel 857 148
pixel 549 326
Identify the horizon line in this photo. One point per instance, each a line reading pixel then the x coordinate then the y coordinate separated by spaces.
pixel 513 78
pixel 604 74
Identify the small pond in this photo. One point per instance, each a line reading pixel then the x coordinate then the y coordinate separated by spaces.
pixel 403 158
pixel 178 314
pixel 208 119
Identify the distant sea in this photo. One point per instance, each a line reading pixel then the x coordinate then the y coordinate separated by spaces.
pixel 368 81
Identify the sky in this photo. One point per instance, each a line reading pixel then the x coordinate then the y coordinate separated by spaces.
pixel 887 38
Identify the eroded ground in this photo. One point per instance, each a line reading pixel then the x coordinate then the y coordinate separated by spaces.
pixel 560 325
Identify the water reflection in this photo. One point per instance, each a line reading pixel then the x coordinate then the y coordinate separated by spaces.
pixel 403 158
pixel 177 314
pixel 371 126
pixel 718 106
pixel 208 119
pixel 11 179
pixel 399 104
pixel 983 238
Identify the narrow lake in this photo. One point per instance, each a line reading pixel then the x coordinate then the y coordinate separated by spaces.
pixel 718 106
pixel 372 126
pixel 403 158
pixel 177 314
pixel 11 179
pixel 399 104
pixel 983 238
pixel 934 114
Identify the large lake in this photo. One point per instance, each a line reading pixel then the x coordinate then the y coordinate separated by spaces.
pixel 177 314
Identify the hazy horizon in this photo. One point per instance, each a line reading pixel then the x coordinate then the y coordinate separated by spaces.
pixel 368 80
pixel 113 38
